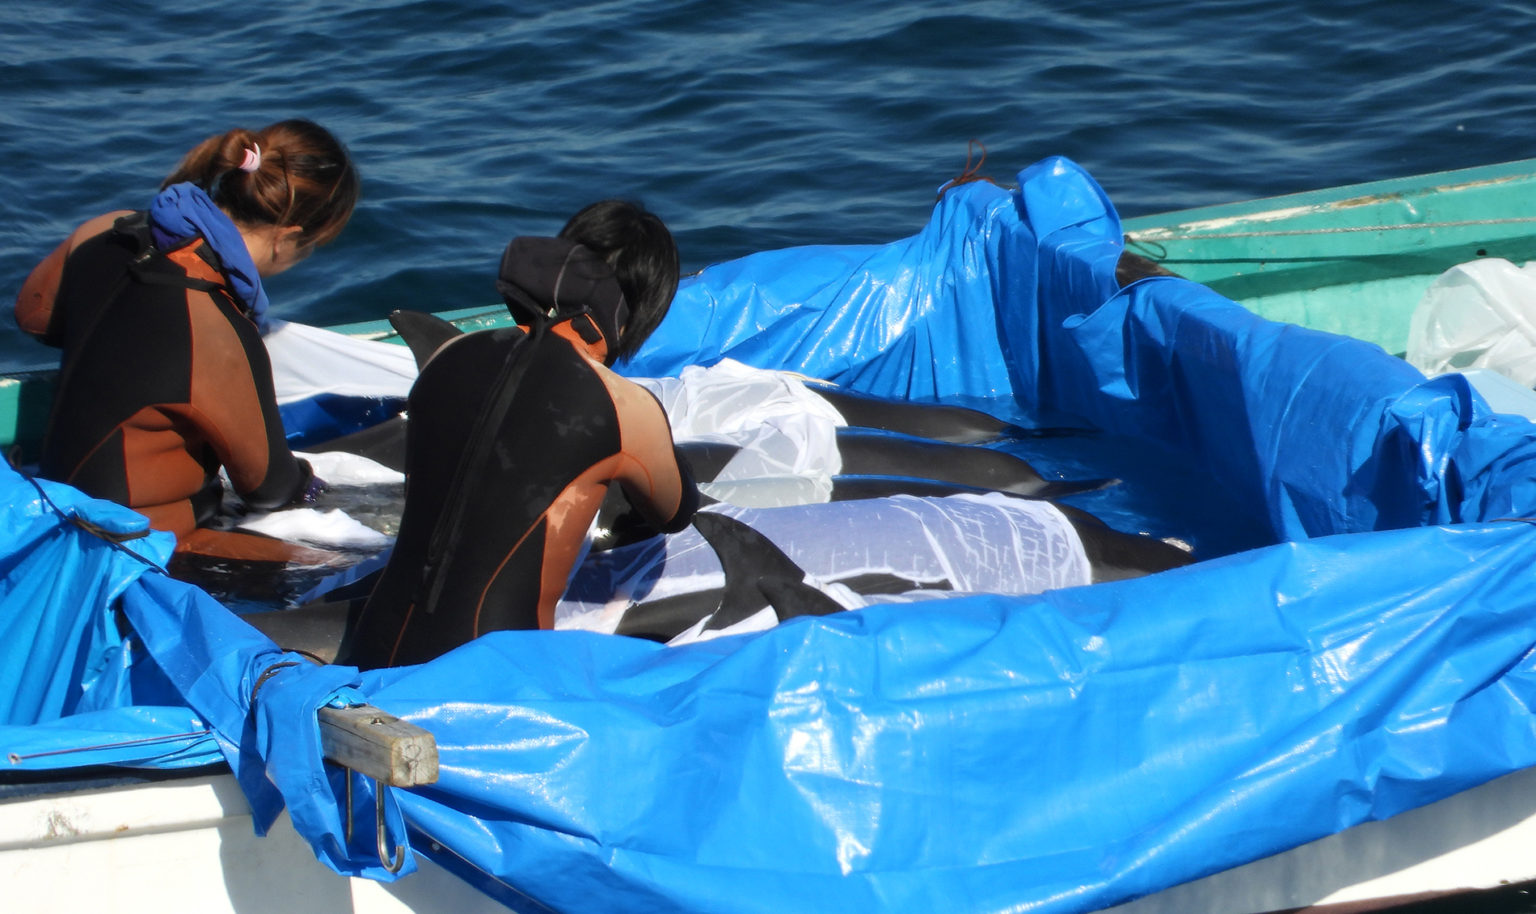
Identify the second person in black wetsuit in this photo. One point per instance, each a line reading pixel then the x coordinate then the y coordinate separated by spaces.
pixel 516 435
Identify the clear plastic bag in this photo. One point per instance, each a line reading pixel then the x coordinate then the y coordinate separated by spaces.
pixel 1480 314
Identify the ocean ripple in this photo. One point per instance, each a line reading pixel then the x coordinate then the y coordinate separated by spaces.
pixel 745 125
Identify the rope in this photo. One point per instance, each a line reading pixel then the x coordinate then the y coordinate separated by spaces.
pixel 1342 230
pixel 15 758
pixel 115 540
pixel 268 673
pixel 971 173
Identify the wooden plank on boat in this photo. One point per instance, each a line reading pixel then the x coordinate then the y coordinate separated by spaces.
pixel 379 745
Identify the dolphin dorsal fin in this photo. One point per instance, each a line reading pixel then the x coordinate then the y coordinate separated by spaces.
pixel 757 575
pixel 424 333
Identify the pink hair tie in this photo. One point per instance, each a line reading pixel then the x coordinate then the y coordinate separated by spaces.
pixel 252 159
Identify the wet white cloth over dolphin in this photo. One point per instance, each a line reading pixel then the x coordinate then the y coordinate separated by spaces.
pixel 973 543
pixel 333 528
pixel 787 434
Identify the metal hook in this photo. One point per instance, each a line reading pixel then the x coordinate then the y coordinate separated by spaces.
pixel 391 865
pixel 378 830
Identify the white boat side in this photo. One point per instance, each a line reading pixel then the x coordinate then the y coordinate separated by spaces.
pixel 189 844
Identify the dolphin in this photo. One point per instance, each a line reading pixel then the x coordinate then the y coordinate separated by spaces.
pixel 425 333
pixel 422 333
pixel 884 453
pixel 864 452
pixel 935 421
pixel 758 575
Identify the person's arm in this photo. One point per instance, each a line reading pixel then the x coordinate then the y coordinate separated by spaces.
pixel 655 476
pixel 234 404
pixel 34 303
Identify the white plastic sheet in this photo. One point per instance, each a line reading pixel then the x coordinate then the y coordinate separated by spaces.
pixel 1480 314
pixel 787 434
pixel 305 360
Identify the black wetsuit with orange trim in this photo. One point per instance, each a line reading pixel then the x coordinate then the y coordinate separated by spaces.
pixel 498 502
pixel 163 380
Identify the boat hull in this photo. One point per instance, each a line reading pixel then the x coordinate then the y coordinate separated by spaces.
pixel 1352 260
pixel 189 844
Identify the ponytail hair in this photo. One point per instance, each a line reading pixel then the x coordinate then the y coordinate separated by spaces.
pixel 289 173
pixel 637 244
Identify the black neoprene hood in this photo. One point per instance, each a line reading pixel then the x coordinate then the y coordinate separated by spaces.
pixel 545 280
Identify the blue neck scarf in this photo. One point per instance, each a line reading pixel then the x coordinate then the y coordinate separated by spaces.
pixel 184 211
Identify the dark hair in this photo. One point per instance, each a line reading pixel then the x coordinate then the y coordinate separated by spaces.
pixel 637 244
pixel 305 177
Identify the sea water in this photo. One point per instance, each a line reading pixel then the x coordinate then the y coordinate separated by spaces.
pixel 745 125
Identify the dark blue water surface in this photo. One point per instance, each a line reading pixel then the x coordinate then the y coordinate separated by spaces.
pixel 746 125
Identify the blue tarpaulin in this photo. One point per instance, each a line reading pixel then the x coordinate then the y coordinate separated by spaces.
pixel 1059 752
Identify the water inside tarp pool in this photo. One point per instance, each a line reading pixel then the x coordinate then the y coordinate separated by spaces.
pixel 257 586
pixel 1158 493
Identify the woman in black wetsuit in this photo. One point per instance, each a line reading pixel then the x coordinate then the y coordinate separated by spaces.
pixel 516 435
pixel 164 378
